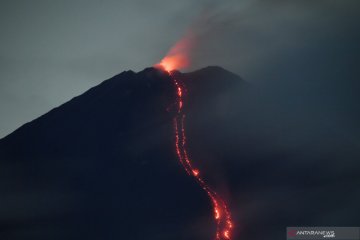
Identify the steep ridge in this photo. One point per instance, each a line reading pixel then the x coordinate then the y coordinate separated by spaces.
pixel 103 165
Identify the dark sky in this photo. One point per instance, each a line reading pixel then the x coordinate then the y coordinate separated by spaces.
pixel 51 51
pixel 300 58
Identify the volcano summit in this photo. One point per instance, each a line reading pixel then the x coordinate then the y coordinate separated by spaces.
pixel 104 164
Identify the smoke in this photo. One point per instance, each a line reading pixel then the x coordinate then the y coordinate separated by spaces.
pixel 178 56
pixel 292 142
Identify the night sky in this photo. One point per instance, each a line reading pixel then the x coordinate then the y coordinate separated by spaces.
pixel 52 51
pixel 286 150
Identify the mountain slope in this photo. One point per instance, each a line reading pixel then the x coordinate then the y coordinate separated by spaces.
pixel 103 166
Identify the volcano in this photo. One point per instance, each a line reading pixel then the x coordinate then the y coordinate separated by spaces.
pixel 104 165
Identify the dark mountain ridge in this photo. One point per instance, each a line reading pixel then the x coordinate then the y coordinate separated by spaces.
pixel 103 165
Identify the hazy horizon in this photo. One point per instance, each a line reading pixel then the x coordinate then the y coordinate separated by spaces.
pixel 53 51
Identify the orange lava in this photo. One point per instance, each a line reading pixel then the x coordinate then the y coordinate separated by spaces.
pixel 196 172
pixel 174 62
pixel 222 215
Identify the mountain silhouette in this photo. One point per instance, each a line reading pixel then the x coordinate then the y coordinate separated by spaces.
pixel 103 165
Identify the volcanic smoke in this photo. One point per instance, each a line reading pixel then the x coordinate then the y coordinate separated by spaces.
pixel 177 58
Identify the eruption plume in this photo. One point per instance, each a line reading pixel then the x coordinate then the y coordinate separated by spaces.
pixel 177 58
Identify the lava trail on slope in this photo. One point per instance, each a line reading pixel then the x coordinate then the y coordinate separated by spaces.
pixel 222 215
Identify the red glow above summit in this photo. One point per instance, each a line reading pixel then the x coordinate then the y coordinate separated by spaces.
pixel 178 56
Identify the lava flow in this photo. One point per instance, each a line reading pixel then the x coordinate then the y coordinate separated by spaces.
pixel 222 216
pixel 177 58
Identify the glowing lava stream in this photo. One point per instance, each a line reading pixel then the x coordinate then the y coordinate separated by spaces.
pixel 222 214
